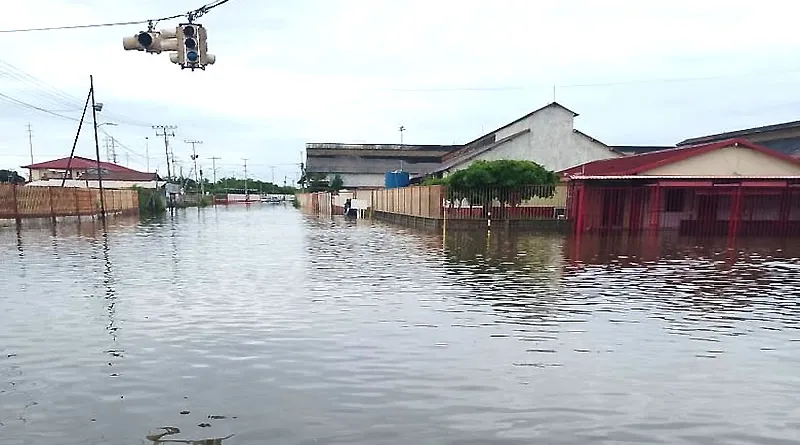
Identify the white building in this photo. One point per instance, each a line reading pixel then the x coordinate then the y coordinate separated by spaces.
pixel 546 136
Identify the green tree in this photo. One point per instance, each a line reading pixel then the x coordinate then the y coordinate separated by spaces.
pixel 11 176
pixel 508 181
pixel 337 183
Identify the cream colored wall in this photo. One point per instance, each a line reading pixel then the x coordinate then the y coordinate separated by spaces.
pixel 729 161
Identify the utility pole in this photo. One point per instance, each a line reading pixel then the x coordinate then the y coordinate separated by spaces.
pixel 147 152
pixel 166 132
pixel 214 167
pixel 113 150
pixel 30 145
pixel 246 192
pixel 273 173
pixel 127 158
pixel 97 151
pixel 402 129
pixel 194 157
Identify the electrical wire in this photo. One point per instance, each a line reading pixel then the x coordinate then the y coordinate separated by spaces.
pixel 193 14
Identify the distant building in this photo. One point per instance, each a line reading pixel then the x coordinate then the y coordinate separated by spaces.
pixel 783 138
pixel 83 172
pixel 545 136
pixel 365 165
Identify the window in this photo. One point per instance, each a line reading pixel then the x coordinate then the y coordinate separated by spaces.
pixel 674 200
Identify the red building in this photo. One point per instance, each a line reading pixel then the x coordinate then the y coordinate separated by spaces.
pixel 732 187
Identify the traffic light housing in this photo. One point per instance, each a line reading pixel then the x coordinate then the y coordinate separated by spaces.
pixel 153 42
pixel 187 44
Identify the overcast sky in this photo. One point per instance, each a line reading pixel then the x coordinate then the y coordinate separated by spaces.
pixel 290 72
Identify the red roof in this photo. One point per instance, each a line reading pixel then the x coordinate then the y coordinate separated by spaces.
pixel 78 163
pixel 636 164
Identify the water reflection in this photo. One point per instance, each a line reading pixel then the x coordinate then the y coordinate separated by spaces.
pixel 267 323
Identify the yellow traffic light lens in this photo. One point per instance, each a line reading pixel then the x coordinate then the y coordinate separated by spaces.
pixel 191 43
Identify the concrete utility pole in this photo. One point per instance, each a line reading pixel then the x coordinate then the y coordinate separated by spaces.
pixel 147 152
pixel 402 129
pixel 194 157
pixel 246 192
pixel 166 132
pixel 214 167
pixel 30 145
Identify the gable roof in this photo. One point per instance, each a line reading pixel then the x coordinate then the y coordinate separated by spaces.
pixel 78 163
pixel 551 104
pixel 740 133
pixel 636 164
pixel 451 162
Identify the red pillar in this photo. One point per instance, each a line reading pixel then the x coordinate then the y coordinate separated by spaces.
pixel 783 214
pixel 736 212
pixel 578 207
pixel 654 208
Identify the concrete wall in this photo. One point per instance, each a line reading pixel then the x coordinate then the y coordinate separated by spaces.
pixel 551 142
pixel 729 161
pixel 363 180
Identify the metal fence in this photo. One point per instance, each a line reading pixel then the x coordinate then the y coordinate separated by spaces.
pixel 18 202
pixel 759 209
pixel 497 203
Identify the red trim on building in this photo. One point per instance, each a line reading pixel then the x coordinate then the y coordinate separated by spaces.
pixel 78 163
pixel 636 164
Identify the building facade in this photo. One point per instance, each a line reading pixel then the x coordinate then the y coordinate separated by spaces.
pixel 731 187
pixel 365 165
pixel 546 136
pixel 783 138
pixel 83 172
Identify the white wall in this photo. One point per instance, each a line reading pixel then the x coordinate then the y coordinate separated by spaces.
pixel 354 180
pixel 551 142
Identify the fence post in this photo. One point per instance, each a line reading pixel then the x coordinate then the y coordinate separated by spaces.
pixel 52 211
pixel 77 204
pixel 16 203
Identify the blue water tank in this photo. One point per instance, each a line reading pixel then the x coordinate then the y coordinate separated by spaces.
pixel 397 179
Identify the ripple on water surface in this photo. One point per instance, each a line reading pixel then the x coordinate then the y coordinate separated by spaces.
pixel 278 327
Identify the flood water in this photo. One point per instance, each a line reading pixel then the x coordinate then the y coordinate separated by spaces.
pixel 284 328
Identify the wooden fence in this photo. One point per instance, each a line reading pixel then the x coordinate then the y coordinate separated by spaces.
pixel 17 202
pixel 422 202
pixel 434 202
pixel 319 202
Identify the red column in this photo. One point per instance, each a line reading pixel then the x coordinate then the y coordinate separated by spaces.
pixel 578 208
pixel 654 208
pixel 735 212
pixel 783 214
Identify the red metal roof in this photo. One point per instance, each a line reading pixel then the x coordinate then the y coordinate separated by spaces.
pixel 636 164
pixel 78 163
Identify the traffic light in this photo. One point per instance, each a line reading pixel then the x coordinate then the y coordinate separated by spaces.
pixel 187 44
pixel 151 41
pixel 205 57
pixel 189 41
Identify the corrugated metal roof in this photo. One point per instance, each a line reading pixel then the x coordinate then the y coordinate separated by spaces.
pixel 740 133
pixel 356 164
pixel 632 165
pixel 78 163
pixel 646 177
